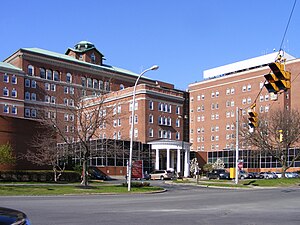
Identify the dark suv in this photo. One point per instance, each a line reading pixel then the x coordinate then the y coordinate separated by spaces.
pixel 218 174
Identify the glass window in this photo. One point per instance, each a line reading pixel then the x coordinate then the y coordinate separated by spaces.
pixel 33 96
pixel 27 83
pixel 71 90
pixel 42 73
pixel 177 109
pixel 30 70
pixel 56 75
pixel 150 132
pixel 27 112
pixel 47 98
pixel 5 78
pixel 33 84
pixel 121 87
pixel 33 113
pixel 5 92
pixel 177 122
pixel 27 95
pixel 95 84
pixel 249 87
pixel 14 110
pixel 151 105
pixel 53 99
pixel 107 86
pixel 66 89
pixel 150 118
pixel 49 74
pixel 53 87
pixel 89 82
pixel 14 79
pixel 6 109
pixel 100 84
pixel 83 82
pixel 14 93
pixel 69 78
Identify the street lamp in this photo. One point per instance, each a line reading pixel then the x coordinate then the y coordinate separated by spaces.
pixel 155 67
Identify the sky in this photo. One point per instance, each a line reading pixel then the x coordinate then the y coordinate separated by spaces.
pixel 183 37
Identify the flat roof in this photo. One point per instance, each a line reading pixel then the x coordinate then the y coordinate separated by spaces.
pixel 243 65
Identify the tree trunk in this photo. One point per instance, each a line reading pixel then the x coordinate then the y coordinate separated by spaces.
pixel 84 173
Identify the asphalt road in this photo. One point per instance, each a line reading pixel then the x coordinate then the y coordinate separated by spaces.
pixel 181 204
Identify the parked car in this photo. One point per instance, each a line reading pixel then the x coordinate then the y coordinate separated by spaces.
pixel 243 174
pixel 96 174
pixel 268 175
pixel 218 174
pixel 12 216
pixel 253 175
pixel 161 175
pixel 291 175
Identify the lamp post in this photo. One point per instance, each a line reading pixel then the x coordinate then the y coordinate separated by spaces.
pixel 155 67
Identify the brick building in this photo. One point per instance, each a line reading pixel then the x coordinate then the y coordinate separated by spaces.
pixel 35 82
pixel 214 100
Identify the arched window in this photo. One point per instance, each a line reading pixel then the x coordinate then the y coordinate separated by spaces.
pixel 56 75
pixel 30 70
pixel 42 73
pixel 69 78
pixel 49 74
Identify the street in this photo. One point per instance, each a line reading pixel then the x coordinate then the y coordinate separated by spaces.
pixel 181 204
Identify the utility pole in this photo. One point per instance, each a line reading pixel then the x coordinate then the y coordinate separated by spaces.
pixel 237 146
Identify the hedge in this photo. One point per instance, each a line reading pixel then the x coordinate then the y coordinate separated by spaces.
pixel 39 176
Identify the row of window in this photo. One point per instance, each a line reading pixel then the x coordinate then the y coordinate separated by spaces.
pixel 96 84
pixel 164 107
pixel 6 92
pixel 6 78
pixel 229 91
pixel 10 109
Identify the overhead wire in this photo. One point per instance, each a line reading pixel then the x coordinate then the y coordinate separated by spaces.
pixel 279 52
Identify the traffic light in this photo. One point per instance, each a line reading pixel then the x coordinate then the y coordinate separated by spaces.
pixel 253 120
pixel 278 79
pixel 280 136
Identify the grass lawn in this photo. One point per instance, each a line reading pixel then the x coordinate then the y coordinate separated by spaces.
pixel 247 183
pixel 63 189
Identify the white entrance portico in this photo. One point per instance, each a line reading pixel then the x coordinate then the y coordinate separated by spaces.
pixel 172 155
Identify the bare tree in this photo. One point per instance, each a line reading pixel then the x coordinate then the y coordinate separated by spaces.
pixel 47 153
pixel 277 132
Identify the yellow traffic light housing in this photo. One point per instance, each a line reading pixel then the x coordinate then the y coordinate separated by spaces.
pixel 253 120
pixel 279 79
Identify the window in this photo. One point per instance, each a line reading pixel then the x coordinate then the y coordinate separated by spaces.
pixel 83 82
pixel 66 89
pixel 217 94
pixel 100 84
pixel 249 100
pixel 69 78
pixel 150 132
pixel 267 108
pixel 136 132
pixel 244 88
pixel 6 109
pixel 232 103
pixel 177 135
pixel 227 91
pixel 202 97
pixel 150 118
pixel 71 102
pixel 177 109
pixel 151 105
pixel 47 86
pixel 33 96
pixel 135 106
pixel 122 87
pixel 95 84
pixel 66 117
pixel 213 94
pixel 14 93
pixel 47 98
pixel 30 70
pixel 66 101
pixel 135 119
pixel 119 109
pixel 14 79
pixel 42 73
pixel 93 57
pixel 267 97
pixel 27 83
pixel 89 83
pixel 244 101
pixel 160 106
pixel 53 99
pixel 53 87
pixel 71 90
pixel 33 84
pixel 106 86
pixel 6 78
pixel 27 95
pixel 177 122
pixel 232 91
pixel 14 110
pixel 5 92
pixel 27 112
pixel 56 75
pixel 49 74
pixel 249 87
pixel 71 116
pixel 33 113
